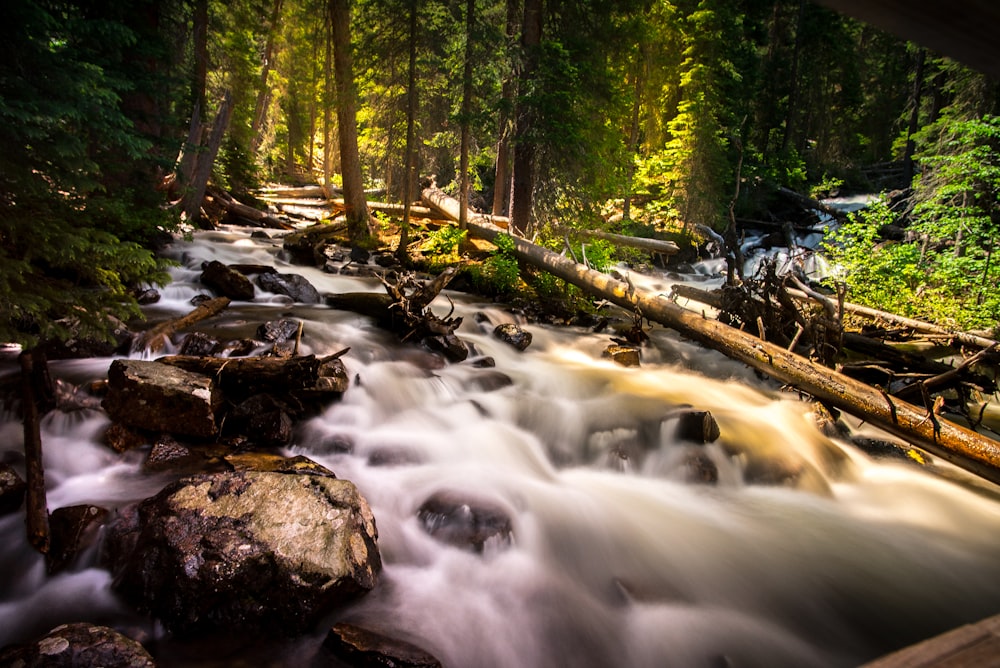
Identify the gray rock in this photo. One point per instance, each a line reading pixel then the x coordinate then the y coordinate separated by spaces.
pixel 158 397
pixel 464 522
pixel 293 285
pixel 245 551
pixel 78 645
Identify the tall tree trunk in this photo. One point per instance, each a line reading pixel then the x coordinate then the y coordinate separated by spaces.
pixel 793 90
pixel 524 150
pixel 263 95
pixel 911 129
pixel 347 125
pixel 501 182
pixel 328 100
pixel 470 17
pixel 409 164
pixel 633 132
pixel 188 160
pixel 206 159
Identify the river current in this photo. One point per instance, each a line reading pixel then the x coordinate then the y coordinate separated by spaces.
pixel 613 561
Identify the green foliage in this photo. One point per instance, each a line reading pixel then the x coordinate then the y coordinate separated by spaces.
pixel 445 241
pixel 499 274
pixel 70 224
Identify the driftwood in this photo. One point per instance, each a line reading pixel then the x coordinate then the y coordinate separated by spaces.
pixel 33 374
pixel 962 338
pixel 156 338
pixel 653 245
pixel 242 377
pixel 963 447
pixel 934 373
pixel 248 213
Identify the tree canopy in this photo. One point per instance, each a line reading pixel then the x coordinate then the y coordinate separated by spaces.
pixel 678 113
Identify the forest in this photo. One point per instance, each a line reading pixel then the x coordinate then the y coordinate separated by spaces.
pixel 675 119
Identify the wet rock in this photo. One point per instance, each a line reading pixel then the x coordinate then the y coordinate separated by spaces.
pixel 169 454
pixel 158 397
pixel 245 552
pixel 622 355
pixel 264 420
pixel 12 490
pixel 226 281
pixel 78 645
pixel 362 647
pixel 292 285
pixel 146 296
pixel 238 348
pixel 696 426
pixel 274 331
pixel 485 362
pixel 696 467
pixel 884 449
pixel 385 260
pixel 73 529
pixel 359 255
pixel 198 344
pixel 394 456
pixel 464 522
pixel 120 438
pixel 489 381
pixel 449 345
pixel 513 335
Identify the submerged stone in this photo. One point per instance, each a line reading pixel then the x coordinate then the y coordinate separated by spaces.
pixel 464 522
pixel 358 646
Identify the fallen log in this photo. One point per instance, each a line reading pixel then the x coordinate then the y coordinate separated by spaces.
pixel 242 377
pixel 963 338
pixel 449 208
pixel 963 447
pixel 245 212
pixel 155 338
pixel 810 203
pixel 653 245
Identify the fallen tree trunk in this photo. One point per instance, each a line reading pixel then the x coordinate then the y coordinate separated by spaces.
pixel 963 447
pixel 654 245
pixel 243 211
pixel 156 338
pixel 810 203
pixel 917 325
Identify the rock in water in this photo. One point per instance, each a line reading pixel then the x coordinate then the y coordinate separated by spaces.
pixel 363 647
pixel 245 551
pixel 513 335
pixel 158 397
pixel 292 285
pixel 12 490
pixel 226 281
pixel 78 645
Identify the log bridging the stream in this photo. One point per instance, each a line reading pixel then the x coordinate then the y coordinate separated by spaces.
pixel 963 447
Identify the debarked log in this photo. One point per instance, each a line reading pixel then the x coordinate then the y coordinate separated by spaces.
pixel 652 245
pixel 963 447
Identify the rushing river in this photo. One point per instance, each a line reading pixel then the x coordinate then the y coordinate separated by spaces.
pixel 614 561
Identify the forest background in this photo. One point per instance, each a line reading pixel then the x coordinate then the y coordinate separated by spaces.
pixel 681 116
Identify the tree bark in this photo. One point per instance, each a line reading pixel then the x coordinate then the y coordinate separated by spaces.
pixel 263 95
pixel 347 125
pixel 32 371
pixel 524 149
pixel 654 245
pixel 206 159
pixel 501 181
pixel 409 165
pixel 249 213
pixel 963 447
pixel 470 18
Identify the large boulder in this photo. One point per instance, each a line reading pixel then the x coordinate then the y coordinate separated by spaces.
pixel 78 645
pixel 245 551
pixel 157 397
